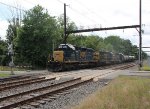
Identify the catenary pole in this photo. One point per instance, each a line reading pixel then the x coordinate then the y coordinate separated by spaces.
pixel 140 34
pixel 65 37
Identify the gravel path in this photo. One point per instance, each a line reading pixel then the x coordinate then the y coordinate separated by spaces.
pixel 73 97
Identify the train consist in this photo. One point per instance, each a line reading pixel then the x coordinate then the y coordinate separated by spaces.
pixel 67 57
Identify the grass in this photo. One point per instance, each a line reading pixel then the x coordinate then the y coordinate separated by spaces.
pixel 2 75
pixel 146 68
pixel 6 68
pixel 122 93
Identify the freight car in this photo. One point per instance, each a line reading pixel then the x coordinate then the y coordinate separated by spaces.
pixel 67 57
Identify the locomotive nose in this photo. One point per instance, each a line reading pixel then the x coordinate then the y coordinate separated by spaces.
pixel 58 56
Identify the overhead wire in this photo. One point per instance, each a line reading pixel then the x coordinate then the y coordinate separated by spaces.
pixel 91 11
pixel 4 12
pixel 29 2
pixel 3 15
pixel 86 9
pixel 60 1
pixel 78 12
pixel 12 6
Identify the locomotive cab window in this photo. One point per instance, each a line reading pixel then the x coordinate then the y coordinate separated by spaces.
pixel 62 46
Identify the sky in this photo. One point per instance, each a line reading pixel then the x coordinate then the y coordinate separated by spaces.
pixel 90 14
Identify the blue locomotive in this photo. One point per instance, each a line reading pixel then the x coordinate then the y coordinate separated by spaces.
pixel 68 57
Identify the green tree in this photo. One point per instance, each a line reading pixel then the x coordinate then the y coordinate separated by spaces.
pixel 115 41
pixel 36 36
pixel 12 31
pixel 69 26
pixel 78 40
pixel 127 47
pixel 3 53
pixel 119 45
pixel 109 47
pixel 94 42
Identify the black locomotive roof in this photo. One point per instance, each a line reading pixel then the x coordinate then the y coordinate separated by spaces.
pixel 66 46
pixel 74 47
pixel 90 49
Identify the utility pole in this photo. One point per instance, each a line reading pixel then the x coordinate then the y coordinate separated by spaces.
pixel 65 36
pixel 11 53
pixel 140 34
pixel 66 33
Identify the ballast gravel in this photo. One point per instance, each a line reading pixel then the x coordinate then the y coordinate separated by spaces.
pixel 24 88
pixel 72 97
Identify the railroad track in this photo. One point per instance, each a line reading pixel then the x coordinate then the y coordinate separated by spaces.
pixel 126 66
pixel 116 66
pixel 27 97
pixel 36 94
pixel 15 84
pixel 13 78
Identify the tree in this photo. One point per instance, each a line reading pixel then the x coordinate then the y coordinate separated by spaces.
pixel 127 47
pixel 3 51
pixel 78 40
pixel 36 37
pixel 119 45
pixel 135 51
pixel 69 26
pixel 94 42
pixel 115 41
pixel 109 47
pixel 11 32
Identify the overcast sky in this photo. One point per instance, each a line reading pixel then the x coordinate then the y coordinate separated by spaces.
pixel 90 14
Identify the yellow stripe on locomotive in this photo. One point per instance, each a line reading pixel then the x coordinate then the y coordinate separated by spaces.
pixel 58 56
pixel 82 55
pixel 96 56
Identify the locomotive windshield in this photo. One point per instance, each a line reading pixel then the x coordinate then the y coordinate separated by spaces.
pixel 66 46
pixel 62 46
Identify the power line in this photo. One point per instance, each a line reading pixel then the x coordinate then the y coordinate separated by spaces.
pixel 3 15
pixel 91 11
pixel 31 2
pixel 60 1
pixel 78 12
pixel 12 6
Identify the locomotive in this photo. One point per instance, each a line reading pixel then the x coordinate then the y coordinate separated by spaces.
pixel 67 56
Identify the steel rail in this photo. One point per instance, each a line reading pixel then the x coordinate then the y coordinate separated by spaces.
pixel 53 89
pixel 42 79
pixel 19 81
pixel 13 78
